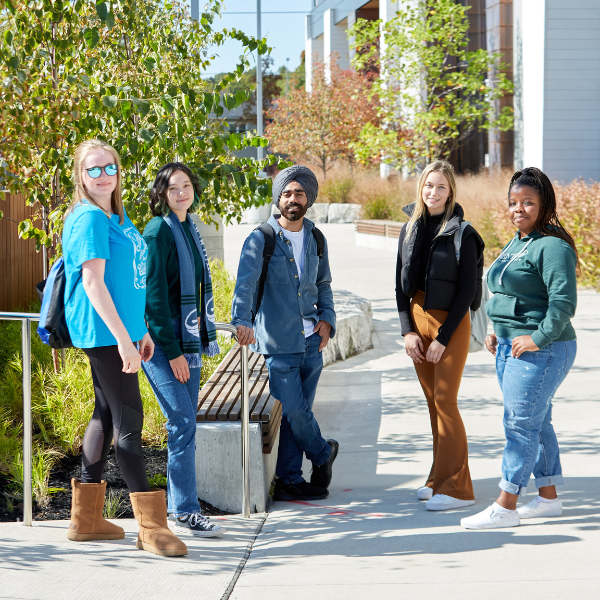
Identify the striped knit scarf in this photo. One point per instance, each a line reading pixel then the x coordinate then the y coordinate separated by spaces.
pixel 198 336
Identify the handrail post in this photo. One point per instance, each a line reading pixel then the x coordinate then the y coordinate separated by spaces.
pixel 27 426
pixel 245 418
pixel 245 435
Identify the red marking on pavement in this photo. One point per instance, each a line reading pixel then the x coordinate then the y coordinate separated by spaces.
pixel 337 511
pixel 347 490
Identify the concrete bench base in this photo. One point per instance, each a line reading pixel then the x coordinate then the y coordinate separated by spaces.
pixel 219 465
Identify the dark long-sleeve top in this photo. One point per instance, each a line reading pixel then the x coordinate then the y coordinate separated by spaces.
pixel 163 285
pixel 467 281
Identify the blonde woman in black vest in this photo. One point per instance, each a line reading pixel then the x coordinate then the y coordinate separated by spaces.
pixel 434 292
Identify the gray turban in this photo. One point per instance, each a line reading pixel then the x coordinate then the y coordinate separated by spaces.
pixel 304 176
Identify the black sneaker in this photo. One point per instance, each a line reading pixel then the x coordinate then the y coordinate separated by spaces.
pixel 195 524
pixel 298 491
pixel 321 476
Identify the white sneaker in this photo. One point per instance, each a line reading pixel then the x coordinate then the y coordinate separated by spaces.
pixel 491 519
pixel 443 502
pixel 424 493
pixel 536 508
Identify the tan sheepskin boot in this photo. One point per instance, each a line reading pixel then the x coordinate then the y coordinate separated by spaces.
pixel 87 523
pixel 150 510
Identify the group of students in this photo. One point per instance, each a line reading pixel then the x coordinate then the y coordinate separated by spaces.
pixel 145 301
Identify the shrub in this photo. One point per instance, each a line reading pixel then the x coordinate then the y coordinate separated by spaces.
pixel 381 208
pixel 336 190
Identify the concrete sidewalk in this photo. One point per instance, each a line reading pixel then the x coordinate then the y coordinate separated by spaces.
pixel 39 563
pixel 372 538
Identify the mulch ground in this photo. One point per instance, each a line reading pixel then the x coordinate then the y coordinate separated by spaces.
pixel 59 505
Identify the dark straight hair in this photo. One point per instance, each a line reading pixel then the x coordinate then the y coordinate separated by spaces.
pixel 158 194
pixel 547 223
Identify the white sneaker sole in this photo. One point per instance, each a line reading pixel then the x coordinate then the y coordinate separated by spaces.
pixel 453 506
pixel 187 531
pixel 534 514
pixel 491 524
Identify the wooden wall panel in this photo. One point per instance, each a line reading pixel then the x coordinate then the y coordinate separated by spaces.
pixel 20 265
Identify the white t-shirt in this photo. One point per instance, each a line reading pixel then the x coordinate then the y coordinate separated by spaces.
pixel 297 240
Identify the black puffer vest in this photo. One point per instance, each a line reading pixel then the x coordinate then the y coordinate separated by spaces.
pixel 441 281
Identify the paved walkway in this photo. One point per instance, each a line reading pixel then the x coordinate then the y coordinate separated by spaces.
pixel 371 539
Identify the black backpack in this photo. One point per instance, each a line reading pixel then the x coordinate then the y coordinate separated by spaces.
pixel 269 234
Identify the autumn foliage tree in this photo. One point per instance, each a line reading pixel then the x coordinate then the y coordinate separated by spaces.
pixel 321 127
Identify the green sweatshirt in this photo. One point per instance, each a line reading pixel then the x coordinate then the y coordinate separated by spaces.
pixel 536 294
pixel 163 287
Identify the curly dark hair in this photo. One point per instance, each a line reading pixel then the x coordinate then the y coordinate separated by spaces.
pixel 158 194
pixel 547 223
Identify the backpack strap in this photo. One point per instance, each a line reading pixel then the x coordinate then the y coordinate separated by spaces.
pixel 269 235
pixel 458 239
pixel 320 239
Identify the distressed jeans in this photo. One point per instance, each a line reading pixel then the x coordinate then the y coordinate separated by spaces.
pixel 293 380
pixel 528 386
pixel 179 403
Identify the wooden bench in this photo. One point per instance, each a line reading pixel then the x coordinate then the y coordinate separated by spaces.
pixel 220 397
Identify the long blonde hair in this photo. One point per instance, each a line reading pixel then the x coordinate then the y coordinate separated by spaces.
pixel 420 212
pixel 80 192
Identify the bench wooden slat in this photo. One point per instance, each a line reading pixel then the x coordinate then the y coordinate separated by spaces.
pixel 218 392
pixel 265 413
pixel 214 386
pixel 269 439
pixel 266 425
pixel 236 392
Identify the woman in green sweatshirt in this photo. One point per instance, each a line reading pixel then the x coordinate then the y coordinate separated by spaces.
pixel 181 321
pixel 534 288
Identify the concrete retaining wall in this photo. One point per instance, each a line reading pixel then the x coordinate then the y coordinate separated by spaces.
pixel 354 327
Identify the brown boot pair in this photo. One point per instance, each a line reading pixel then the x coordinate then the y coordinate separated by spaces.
pixel 149 508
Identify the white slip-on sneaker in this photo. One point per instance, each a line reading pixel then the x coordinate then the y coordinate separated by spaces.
pixel 536 508
pixel 490 518
pixel 443 502
pixel 424 493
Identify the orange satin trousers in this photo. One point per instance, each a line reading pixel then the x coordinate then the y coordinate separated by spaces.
pixel 450 470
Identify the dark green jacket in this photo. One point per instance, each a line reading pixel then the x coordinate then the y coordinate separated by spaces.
pixel 537 293
pixel 163 287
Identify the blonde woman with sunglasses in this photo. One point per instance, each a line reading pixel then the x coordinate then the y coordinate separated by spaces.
pixel 105 266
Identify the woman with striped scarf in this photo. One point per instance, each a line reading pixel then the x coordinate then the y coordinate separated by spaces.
pixel 181 321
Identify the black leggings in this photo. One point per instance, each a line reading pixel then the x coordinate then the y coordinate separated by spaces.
pixel 118 413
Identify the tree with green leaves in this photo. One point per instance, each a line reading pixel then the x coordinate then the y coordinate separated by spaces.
pixel 130 73
pixel 433 92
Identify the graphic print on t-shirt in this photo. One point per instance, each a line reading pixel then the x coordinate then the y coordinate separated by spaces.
pixel 139 257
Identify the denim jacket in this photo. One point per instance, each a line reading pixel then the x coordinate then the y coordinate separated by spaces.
pixel 278 327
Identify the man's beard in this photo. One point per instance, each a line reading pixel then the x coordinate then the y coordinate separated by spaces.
pixel 296 216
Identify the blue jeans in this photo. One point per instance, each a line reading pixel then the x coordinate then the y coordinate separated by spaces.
pixel 179 403
pixel 528 385
pixel 293 380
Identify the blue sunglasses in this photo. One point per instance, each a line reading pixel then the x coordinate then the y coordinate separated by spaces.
pixel 95 172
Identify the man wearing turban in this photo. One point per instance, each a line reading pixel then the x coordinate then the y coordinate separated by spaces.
pixel 292 325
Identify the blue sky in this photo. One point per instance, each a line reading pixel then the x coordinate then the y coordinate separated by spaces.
pixel 284 32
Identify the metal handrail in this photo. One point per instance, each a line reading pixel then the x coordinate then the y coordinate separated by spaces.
pixel 26 320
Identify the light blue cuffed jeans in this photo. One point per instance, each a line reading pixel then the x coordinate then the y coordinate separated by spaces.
pixel 528 386
pixel 179 403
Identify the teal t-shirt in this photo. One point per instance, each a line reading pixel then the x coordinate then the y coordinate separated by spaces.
pixel 89 233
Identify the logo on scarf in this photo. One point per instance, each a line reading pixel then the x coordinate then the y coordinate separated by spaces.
pixel 191 324
pixel 210 310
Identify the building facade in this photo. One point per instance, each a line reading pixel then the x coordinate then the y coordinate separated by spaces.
pixel 551 49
